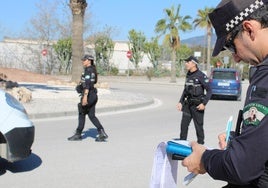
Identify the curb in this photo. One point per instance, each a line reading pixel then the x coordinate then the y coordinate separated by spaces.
pixel 98 110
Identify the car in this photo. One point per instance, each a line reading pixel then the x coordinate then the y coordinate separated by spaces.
pixel 225 83
pixel 16 129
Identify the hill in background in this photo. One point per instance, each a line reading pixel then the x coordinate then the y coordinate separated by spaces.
pixel 199 41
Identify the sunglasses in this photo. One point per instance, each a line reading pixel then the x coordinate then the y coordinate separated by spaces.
pixel 229 44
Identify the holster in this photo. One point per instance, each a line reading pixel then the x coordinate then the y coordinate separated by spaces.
pixel 237 131
pixel 185 108
pixel 79 88
pixel 238 123
pixel 82 109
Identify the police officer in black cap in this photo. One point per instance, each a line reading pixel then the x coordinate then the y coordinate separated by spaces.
pixel 89 100
pixel 194 98
pixel 242 160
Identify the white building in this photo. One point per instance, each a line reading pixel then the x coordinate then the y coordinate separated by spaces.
pixel 120 59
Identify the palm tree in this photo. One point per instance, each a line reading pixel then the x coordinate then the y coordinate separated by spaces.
pixel 78 8
pixel 172 24
pixel 203 21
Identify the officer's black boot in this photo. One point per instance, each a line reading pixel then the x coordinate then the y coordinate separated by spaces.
pixel 101 136
pixel 76 137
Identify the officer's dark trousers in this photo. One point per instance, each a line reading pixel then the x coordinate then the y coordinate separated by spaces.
pixel 191 113
pixel 89 110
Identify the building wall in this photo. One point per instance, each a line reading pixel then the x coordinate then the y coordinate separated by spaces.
pixel 22 54
pixel 27 55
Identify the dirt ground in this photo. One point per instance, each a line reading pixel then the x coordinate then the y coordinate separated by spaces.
pixel 17 75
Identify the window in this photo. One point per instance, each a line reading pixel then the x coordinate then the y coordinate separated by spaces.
pixel 224 75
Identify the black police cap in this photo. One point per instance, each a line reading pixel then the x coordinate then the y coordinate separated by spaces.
pixel 193 59
pixel 89 57
pixel 229 14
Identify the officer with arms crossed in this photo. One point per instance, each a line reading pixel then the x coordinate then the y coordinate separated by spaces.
pixel 193 100
pixel 242 28
pixel 89 100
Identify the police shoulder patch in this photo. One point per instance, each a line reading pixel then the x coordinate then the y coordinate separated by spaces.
pixel 253 113
pixel 206 78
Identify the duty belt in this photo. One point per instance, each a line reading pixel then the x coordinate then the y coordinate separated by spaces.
pixel 194 101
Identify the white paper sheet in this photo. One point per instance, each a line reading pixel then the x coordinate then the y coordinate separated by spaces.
pixel 164 172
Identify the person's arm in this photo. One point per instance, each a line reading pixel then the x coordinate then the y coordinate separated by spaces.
pixel 206 86
pixel 87 86
pixel 86 92
pixel 183 95
pixel 242 162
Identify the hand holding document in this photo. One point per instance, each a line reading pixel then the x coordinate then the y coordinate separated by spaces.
pixel 190 177
pixel 164 172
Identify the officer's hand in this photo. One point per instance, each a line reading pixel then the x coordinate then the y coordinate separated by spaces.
pixel 193 161
pixel 201 107
pixel 179 106
pixel 84 100
pixel 222 140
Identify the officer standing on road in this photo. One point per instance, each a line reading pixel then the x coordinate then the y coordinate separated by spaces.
pixel 193 99
pixel 89 99
pixel 242 28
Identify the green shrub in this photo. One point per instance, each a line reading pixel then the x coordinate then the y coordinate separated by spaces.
pixel 114 71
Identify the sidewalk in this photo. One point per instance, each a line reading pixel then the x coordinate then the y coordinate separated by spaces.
pixel 55 101
pixel 60 100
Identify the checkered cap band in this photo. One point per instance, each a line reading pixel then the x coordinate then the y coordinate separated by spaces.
pixel 242 15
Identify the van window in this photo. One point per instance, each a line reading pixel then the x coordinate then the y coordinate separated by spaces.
pixel 224 75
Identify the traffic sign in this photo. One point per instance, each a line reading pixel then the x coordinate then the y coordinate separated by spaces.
pixel 44 52
pixel 129 54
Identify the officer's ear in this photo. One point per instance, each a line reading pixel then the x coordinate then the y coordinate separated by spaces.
pixel 251 27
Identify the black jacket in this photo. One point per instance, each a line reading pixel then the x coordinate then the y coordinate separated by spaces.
pixel 244 160
pixel 90 77
pixel 196 84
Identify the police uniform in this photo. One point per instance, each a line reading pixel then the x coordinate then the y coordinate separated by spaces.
pixel 248 152
pixel 88 80
pixel 196 84
pixel 245 161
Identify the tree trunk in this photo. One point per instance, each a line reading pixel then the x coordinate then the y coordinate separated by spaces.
pixel 208 50
pixel 78 8
pixel 173 67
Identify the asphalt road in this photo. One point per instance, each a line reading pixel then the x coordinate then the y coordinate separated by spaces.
pixel 126 159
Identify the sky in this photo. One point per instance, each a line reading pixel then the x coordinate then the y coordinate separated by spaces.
pixel 124 15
